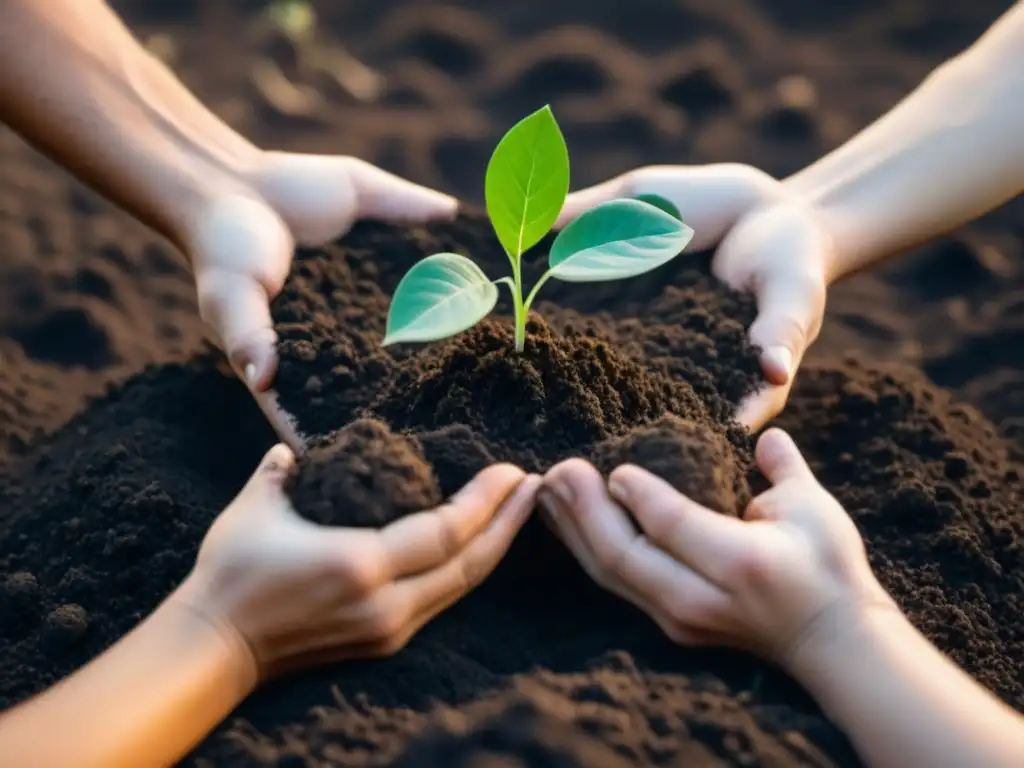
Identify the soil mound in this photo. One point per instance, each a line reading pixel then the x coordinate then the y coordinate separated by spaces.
pixel 581 380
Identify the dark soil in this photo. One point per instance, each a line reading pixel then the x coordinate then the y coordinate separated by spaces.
pixel 581 381
pixel 363 475
pixel 101 512
pixel 692 456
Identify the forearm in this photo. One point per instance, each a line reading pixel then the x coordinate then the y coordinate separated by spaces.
pixel 145 702
pixel 78 86
pixel 948 153
pixel 902 702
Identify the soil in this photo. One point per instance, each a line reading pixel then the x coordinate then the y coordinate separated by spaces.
pixel 583 385
pixel 122 434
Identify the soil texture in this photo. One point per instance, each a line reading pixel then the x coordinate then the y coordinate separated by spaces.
pixel 583 379
pixel 122 435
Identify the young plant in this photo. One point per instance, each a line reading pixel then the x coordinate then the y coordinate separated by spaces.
pixel 525 188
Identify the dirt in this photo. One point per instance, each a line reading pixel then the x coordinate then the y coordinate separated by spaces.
pixel 585 382
pixel 696 459
pixel 122 435
pixel 363 475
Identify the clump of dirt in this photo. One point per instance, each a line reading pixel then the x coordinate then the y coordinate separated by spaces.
pixel 363 475
pixel 696 460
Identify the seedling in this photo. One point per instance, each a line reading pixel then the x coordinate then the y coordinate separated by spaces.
pixel 525 188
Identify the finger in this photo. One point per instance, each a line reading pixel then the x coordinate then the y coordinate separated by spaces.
pixel 676 598
pixel 382 195
pixel 429 539
pixel 585 199
pixel 779 459
pixel 237 309
pixel 561 522
pixel 573 491
pixel 632 567
pixel 757 409
pixel 603 529
pixel 790 307
pixel 268 479
pixel 432 592
pixel 706 541
pixel 284 423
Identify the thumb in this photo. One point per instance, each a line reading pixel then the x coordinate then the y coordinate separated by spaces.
pixel 779 459
pixel 241 250
pixel 385 196
pixel 585 199
pixel 790 307
pixel 237 309
pixel 269 478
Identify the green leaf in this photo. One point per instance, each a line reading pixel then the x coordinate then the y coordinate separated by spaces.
pixel 616 239
pixel 662 204
pixel 440 296
pixel 527 182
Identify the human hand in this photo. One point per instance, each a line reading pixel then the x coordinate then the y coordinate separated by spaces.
pixel 768 242
pixel 293 594
pixel 241 246
pixel 770 583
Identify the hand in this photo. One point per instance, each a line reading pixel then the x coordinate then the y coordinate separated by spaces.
pixel 295 594
pixel 241 245
pixel 792 568
pixel 769 243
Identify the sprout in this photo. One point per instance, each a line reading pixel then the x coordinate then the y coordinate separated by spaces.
pixel 525 188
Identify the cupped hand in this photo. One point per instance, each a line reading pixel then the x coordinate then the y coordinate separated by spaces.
pixel 768 243
pixel 241 244
pixel 295 594
pixel 768 583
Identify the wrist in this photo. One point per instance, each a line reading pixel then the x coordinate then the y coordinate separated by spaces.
pixel 832 220
pixel 833 636
pixel 204 156
pixel 193 597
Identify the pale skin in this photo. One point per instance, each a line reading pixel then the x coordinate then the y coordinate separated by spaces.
pixel 271 593
pixel 790 580
pixel 120 121
pixel 949 152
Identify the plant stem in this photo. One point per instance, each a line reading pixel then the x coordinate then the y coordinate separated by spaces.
pixel 529 299
pixel 519 317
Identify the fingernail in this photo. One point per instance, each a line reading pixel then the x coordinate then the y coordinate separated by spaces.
pixel 250 375
pixel 783 358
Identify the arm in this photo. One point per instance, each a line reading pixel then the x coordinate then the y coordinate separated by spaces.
pixel 791 582
pixel 80 88
pixel 270 594
pixel 146 701
pixel 77 85
pixel 904 703
pixel 948 153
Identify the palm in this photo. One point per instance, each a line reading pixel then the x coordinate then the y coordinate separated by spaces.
pixel 768 244
pixel 242 247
